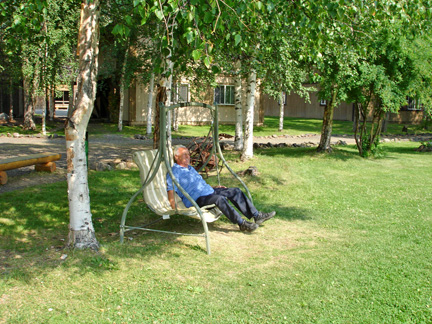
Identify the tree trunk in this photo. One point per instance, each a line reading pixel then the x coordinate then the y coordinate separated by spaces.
pixel 238 139
pixel 81 230
pixel 163 96
pixel 385 122
pixel 122 95
pixel 29 108
pixel 71 98
pixel 326 131
pixel 175 119
pixel 281 111
pixel 160 97
pixel 375 132
pixel 11 117
pixel 44 111
pixel 52 104
pixel 250 101
pixel 170 65
pixel 150 104
pixel 123 88
pixel 357 136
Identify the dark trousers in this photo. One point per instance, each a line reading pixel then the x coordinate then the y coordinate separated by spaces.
pixel 220 198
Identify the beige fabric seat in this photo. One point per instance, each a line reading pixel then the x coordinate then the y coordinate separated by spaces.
pixel 155 193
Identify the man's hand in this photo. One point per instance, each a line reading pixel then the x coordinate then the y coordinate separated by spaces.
pixel 219 187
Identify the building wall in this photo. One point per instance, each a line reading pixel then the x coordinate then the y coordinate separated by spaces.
pixel 296 106
pixel 407 116
pixel 135 107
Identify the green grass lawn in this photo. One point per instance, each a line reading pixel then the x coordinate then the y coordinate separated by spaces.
pixel 351 243
pixel 292 126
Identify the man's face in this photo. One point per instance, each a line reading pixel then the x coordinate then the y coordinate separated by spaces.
pixel 183 157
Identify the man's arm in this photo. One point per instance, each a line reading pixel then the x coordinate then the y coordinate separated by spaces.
pixel 171 198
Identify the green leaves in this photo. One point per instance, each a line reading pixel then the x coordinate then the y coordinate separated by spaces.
pixel 196 54
pixel 120 30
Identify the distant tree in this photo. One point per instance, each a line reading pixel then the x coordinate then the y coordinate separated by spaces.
pixel 38 36
pixel 387 81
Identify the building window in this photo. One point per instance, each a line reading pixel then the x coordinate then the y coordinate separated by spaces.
pixel 181 93
pixel 412 104
pixel 224 95
pixel 62 102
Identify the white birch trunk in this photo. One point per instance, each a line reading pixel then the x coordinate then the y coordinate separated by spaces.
pixel 51 104
pixel 250 101
pixel 150 104
pixel 11 117
pixel 238 139
pixel 44 110
pixel 170 65
pixel 174 100
pixel 123 88
pixel 175 118
pixel 281 111
pixel 120 118
pixel 81 230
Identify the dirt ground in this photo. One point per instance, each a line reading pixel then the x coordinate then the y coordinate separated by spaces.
pixel 109 147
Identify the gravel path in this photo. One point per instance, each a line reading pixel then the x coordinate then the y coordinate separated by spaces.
pixel 108 147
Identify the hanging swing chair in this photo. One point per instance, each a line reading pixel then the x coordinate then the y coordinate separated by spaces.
pixel 154 165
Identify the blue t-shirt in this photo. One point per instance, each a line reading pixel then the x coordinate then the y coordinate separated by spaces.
pixel 191 181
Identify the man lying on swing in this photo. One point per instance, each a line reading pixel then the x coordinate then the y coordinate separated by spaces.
pixel 194 184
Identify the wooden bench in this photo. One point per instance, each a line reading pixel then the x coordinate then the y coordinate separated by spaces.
pixel 41 161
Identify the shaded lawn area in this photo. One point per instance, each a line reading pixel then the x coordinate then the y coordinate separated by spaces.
pixel 351 243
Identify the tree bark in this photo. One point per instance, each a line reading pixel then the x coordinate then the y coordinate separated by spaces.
pixel 81 230
pixel 250 101
pixel 71 98
pixel 45 107
pixel 163 96
pixel 160 97
pixel 170 65
pixel 123 88
pixel 357 136
pixel 385 122
pixel 281 111
pixel 150 104
pixel 326 130
pixel 238 139
pixel 52 104
pixel 29 108
pixel 11 117
pixel 122 95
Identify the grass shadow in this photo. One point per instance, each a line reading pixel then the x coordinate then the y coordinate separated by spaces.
pixel 34 227
pixel 402 149
pixel 343 153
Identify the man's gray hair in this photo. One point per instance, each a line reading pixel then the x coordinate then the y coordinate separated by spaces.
pixel 177 149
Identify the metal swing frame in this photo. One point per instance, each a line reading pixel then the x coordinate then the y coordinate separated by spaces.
pixel 163 155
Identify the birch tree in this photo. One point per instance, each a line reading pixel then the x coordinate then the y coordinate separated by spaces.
pixel 238 139
pixel 81 230
pixel 281 110
pixel 123 87
pixel 247 152
pixel 150 104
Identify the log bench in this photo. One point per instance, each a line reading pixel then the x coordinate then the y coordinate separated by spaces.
pixel 41 161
